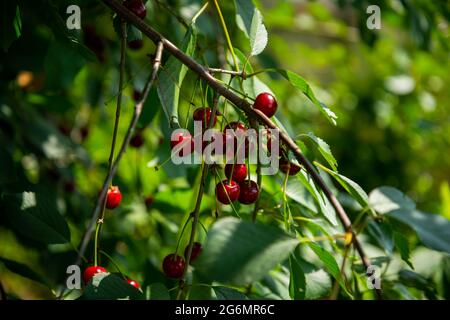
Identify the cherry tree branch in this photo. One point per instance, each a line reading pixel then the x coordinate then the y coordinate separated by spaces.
pixel 137 112
pixel 245 106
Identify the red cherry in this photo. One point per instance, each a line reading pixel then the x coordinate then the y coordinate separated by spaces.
pixel 239 172
pixel 215 135
pixel 69 186
pixel 227 191
pixel 135 44
pixel 269 143
pixel 137 7
pixel 137 95
pixel 149 201
pixel 266 103
pixel 239 130
pixel 173 266
pixel 137 140
pixel 249 192
pixel 204 115
pixel 289 167
pixel 181 140
pixel 84 132
pixel 94 42
pixel 113 197
pixel 236 125
pixel 196 249
pixel 133 283
pixel 89 272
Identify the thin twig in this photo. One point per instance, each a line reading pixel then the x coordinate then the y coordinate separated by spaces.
pixel 123 43
pixel 250 112
pixel 241 74
pixel 126 141
pixel 336 285
pixel 196 213
pixel 255 126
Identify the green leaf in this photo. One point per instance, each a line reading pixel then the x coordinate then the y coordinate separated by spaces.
pixel 171 78
pixel 350 186
pixel 23 270
pixel 298 193
pixel 150 110
pixel 433 230
pixel 328 260
pixel 385 199
pixel 157 291
pixel 225 293
pixel 11 23
pixel 68 38
pixel 317 281
pixel 383 234
pixel 62 64
pixel 402 245
pixel 329 263
pixel 297 281
pixel 105 286
pixel 258 34
pixel 301 84
pixel 323 148
pixel 416 280
pixel 36 216
pixel 325 206
pixel 241 252
pixel 318 284
pixel 249 20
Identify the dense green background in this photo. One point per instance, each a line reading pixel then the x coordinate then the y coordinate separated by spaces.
pixel 388 88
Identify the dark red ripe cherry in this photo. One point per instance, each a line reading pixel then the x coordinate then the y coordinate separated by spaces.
pixel 137 7
pixel 149 201
pixel 137 95
pixel 288 167
pixel 173 266
pixel 240 141
pixel 235 125
pixel 239 172
pixel 113 197
pixel 182 140
pixel 249 192
pixel 89 272
pixel 84 132
pixel 227 191
pixel 135 44
pixel 266 103
pixel 196 249
pixel 137 140
pixel 69 186
pixel 133 283
pixel 204 115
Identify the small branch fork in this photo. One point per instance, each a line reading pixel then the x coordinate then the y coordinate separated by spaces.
pixel 245 106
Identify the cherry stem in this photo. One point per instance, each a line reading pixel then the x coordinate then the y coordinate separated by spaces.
pixel 123 43
pixel 196 212
pixel 133 122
